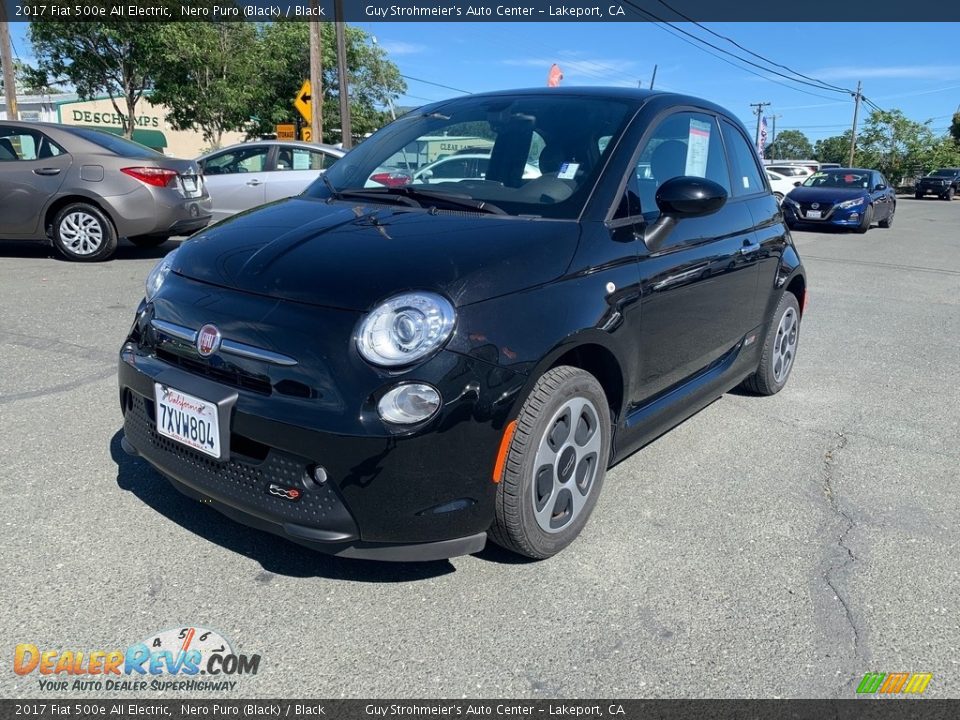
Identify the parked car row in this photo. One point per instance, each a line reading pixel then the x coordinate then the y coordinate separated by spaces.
pixel 83 189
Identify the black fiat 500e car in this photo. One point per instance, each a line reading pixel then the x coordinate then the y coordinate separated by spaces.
pixel 403 369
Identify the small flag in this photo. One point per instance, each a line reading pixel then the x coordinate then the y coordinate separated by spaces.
pixel 763 136
pixel 554 76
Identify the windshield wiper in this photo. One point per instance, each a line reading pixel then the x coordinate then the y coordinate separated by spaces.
pixel 377 194
pixel 457 200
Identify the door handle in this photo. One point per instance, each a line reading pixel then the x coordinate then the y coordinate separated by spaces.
pixel 47 171
pixel 254 182
pixel 749 247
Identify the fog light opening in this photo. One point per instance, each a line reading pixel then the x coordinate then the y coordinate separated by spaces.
pixel 318 474
pixel 408 404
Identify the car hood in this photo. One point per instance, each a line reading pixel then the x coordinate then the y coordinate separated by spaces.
pixel 352 256
pixel 825 195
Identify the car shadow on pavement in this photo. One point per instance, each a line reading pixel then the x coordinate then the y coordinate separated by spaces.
pixel 125 251
pixel 274 554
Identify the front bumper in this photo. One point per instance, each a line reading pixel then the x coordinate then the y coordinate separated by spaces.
pixel 839 217
pixel 424 495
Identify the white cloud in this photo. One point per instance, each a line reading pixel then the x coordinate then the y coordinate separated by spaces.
pixel 399 47
pixel 853 72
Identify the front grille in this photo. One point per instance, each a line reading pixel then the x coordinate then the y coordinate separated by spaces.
pixel 240 483
pixel 228 375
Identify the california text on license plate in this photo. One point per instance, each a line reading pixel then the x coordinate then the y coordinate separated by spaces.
pixel 187 419
pixel 814 214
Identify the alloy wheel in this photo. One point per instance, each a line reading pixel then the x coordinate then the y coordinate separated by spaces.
pixel 81 233
pixel 785 345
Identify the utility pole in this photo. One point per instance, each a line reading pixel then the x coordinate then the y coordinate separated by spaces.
pixel 654 77
pixel 346 134
pixel 316 79
pixel 758 112
pixel 773 138
pixel 853 133
pixel 6 59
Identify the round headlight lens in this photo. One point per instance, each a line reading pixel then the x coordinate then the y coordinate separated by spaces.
pixel 409 403
pixel 405 328
pixel 159 273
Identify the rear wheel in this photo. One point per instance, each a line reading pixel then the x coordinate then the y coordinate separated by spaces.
pixel 779 350
pixel 83 232
pixel 888 221
pixel 866 220
pixel 148 241
pixel 779 197
pixel 555 465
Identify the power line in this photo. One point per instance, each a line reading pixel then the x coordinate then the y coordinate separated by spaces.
pixel 439 85
pixel 822 83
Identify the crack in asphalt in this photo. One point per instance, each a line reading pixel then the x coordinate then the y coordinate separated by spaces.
pixel 829 462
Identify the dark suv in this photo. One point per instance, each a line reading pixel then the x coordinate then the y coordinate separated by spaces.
pixel 944 182
pixel 402 372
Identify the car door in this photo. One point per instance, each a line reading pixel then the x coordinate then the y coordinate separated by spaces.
pixel 294 169
pixel 882 196
pixel 32 169
pixel 236 179
pixel 699 285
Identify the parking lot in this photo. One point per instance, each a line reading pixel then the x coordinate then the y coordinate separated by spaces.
pixel 778 546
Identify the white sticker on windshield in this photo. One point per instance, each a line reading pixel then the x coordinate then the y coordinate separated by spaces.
pixel 568 171
pixel 698 145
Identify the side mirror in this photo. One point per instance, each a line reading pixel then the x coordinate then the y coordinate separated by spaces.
pixel 682 197
pixel 687 197
pixel 797 183
pixel 881 186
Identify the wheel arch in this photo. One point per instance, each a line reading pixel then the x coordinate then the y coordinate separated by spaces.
pixel 61 202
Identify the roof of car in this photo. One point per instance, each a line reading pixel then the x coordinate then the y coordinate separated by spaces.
pixel 291 143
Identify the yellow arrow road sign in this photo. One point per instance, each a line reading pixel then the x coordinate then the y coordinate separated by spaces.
pixel 302 102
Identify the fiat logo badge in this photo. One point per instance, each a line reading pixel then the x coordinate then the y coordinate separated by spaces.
pixel 208 340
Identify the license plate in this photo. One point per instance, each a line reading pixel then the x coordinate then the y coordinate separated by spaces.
pixel 814 214
pixel 189 420
pixel 189 183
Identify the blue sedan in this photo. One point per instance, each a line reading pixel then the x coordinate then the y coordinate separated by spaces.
pixel 842 197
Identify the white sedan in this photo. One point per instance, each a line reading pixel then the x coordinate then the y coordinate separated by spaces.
pixel 782 185
pixel 455 168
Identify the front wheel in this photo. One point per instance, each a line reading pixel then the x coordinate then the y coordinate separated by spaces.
pixel 866 220
pixel 779 350
pixel 950 194
pixel 82 232
pixel 555 464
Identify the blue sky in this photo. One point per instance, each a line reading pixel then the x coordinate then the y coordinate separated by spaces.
pixel 911 66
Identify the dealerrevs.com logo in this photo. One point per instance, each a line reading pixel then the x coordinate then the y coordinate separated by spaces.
pixel 187 659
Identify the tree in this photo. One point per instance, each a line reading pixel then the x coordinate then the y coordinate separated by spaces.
pixel 834 149
pixel 285 64
pixel 790 144
pixel 894 144
pixel 955 127
pixel 110 58
pixel 208 76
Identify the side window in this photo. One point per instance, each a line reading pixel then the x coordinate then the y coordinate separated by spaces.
pixel 240 160
pixel 747 179
pixel 20 144
pixel 452 169
pixel 683 144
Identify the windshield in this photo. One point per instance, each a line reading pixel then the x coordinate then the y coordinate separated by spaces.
pixel 115 144
pixel 944 173
pixel 527 155
pixel 843 179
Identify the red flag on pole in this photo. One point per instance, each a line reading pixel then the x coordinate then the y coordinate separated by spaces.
pixel 554 76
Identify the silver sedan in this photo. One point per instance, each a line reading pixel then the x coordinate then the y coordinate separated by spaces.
pixel 244 176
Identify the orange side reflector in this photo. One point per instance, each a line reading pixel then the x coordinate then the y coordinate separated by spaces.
pixel 504 449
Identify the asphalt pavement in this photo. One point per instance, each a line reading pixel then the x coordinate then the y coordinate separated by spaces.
pixel 767 547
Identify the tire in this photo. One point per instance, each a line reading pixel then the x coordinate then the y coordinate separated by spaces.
pixel 82 232
pixel 779 197
pixel 779 350
pixel 866 220
pixel 949 196
pixel 148 241
pixel 538 512
pixel 918 195
pixel 888 221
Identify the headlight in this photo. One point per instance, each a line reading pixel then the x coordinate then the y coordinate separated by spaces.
pixel 792 203
pixel 159 274
pixel 405 328
pixel 850 203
